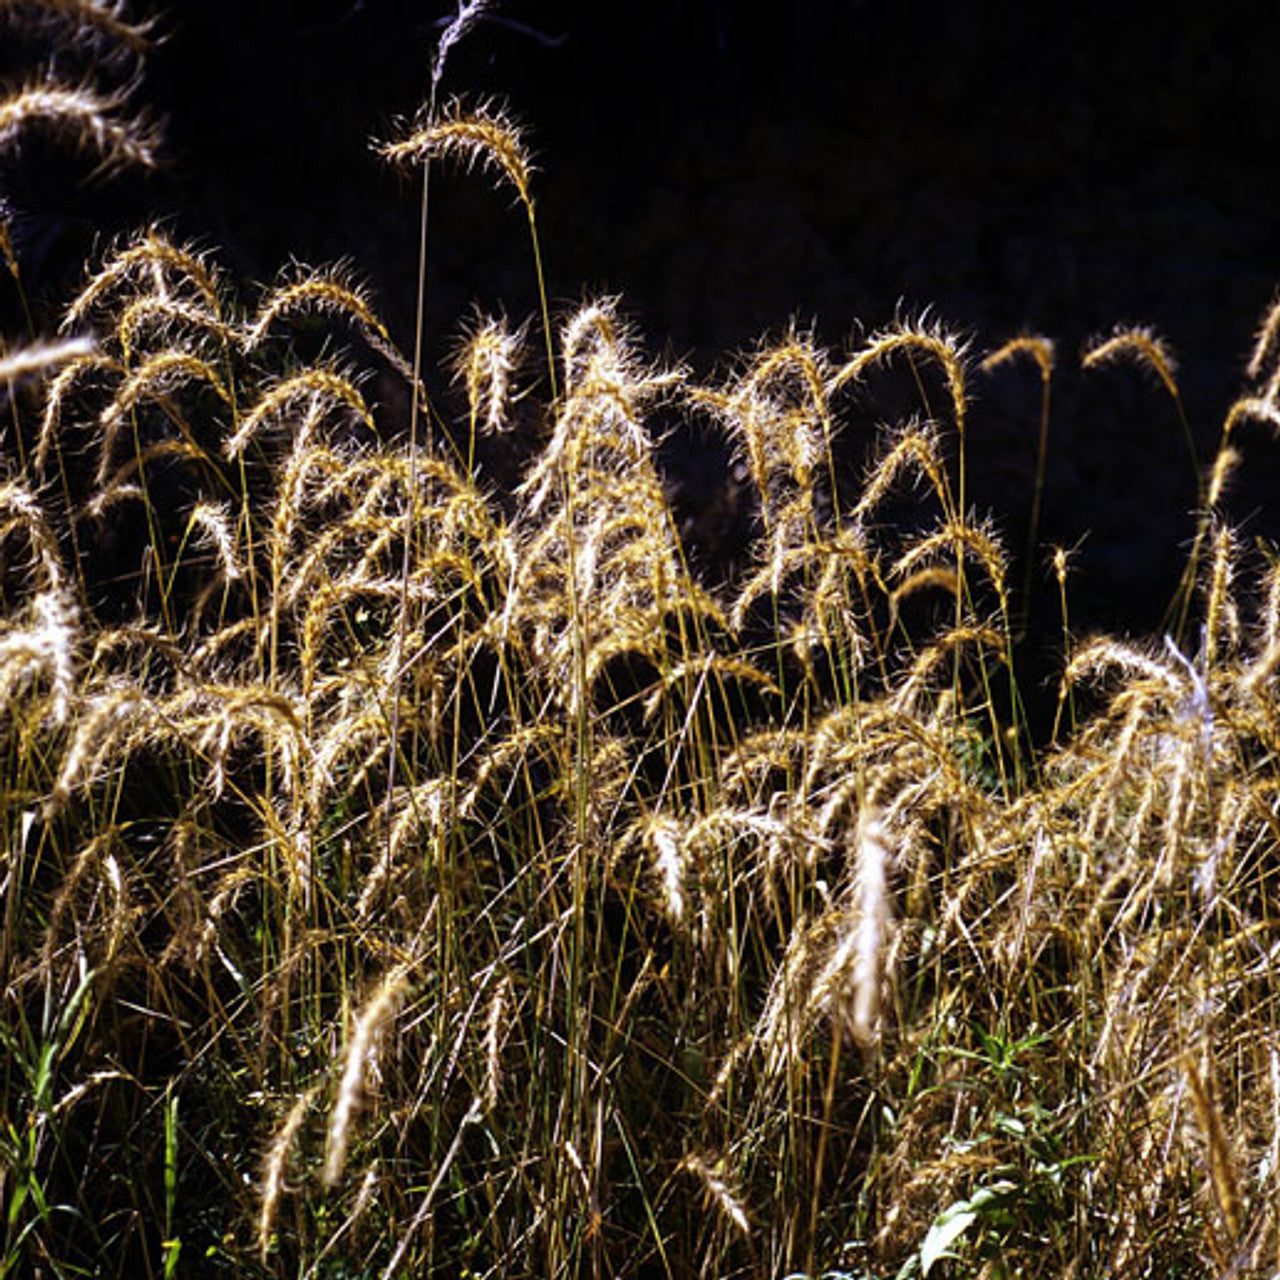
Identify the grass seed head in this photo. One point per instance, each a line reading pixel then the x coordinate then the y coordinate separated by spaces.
pixel 273 1168
pixel 873 916
pixel 485 362
pixel 213 524
pixel 1139 344
pixel 377 1011
pixel 922 337
pixel 19 510
pixel 84 117
pixel 1264 340
pixel 85 19
pixel 26 361
pixel 318 389
pixel 1222 1164
pixel 304 291
pixel 720 1193
pixel 468 13
pixel 1029 346
pixel 152 265
pixel 46 650
pixel 484 136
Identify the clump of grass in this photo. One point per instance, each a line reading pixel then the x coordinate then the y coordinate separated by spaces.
pixel 401 880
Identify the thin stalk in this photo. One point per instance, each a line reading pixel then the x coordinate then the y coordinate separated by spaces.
pixel 542 299
pixel 402 622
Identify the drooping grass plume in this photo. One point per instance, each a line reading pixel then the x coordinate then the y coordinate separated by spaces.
pixel 484 135
pixel 719 1193
pixel 6 247
pixel 369 1023
pixel 158 379
pixel 1224 466
pixel 213 525
pixel 468 14
pixel 319 388
pixel 496 1027
pixel 36 359
pixel 163 315
pixel 486 359
pixel 44 650
pixel 307 292
pixel 62 390
pixel 662 835
pixel 1222 1171
pixel 1139 344
pixel 1264 341
pixel 1143 346
pixel 274 1166
pixel 151 265
pixel 89 121
pixel 920 338
pixel 914 448
pixel 1039 350
pixel 109 18
pixel 21 512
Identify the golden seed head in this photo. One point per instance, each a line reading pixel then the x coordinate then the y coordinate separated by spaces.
pixel 47 355
pixel 1030 346
pixel 85 117
pixel 378 1010
pixel 484 135
pixel 153 266
pixel 1140 344
pixel 331 292
pixel 485 362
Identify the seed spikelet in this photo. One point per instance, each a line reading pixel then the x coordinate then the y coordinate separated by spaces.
pixel 83 116
pixel 273 1168
pixel 36 359
pixel 360 1049
pixel 485 135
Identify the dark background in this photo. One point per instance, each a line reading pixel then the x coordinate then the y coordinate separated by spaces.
pixel 1042 168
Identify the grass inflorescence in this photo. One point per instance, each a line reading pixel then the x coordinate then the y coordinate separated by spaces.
pixel 401 878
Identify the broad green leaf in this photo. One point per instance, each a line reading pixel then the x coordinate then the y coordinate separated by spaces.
pixel 954 1221
pixel 947 1228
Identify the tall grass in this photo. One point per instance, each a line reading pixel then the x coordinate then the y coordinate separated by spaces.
pixel 398 881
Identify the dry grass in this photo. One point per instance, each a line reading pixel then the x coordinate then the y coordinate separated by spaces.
pixel 405 882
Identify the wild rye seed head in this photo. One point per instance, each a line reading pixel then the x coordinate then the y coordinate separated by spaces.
pixel 484 135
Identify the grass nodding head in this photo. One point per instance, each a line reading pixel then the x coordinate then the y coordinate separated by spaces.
pixel 468 13
pixel 39 357
pixel 106 18
pixel 274 1165
pixel 1032 346
pixel 319 389
pixel 20 510
pixel 304 291
pixel 485 361
pixel 87 119
pixel 377 1011
pixel 1264 340
pixel 1140 344
pixel 924 338
pixel 150 266
pixel 47 649
pixel 483 135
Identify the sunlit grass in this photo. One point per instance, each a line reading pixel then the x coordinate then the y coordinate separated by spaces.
pixel 401 878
